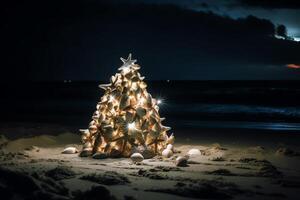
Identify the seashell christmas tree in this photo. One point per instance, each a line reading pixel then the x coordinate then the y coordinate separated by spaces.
pixel 126 118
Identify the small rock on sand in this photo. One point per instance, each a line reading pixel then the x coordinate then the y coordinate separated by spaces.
pixel 100 155
pixel 85 153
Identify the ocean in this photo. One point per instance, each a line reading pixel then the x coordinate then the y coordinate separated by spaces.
pixel 251 105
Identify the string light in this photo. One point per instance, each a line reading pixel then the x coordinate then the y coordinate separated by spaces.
pixel 131 126
pixel 159 101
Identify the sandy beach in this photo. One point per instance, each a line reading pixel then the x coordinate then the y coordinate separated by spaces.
pixel 33 167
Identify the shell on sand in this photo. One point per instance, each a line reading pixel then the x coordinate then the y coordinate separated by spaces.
pixel 70 150
pixel 194 152
pixel 170 146
pixel 181 161
pixel 136 157
pixel 167 153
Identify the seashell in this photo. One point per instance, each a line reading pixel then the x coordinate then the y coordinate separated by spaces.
pixel 93 122
pixel 104 86
pixel 137 157
pixel 124 102
pixel 141 112
pixel 135 79
pixel 97 106
pixel 87 145
pixel 86 152
pixel 134 86
pixel 136 67
pixel 145 125
pixel 128 75
pixel 70 150
pixel 165 128
pixel 152 120
pixel 170 146
pixel 108 129
pixel 156 127
pixel 93 129
pixel 149 100
pixel 167 153
pixel 194 152
pixel 85 132
pixel 84 138
pixel 143 85
pixel 129 116
pixel 171 139
pixel 100 155
pixel 153 134
pixel 181 161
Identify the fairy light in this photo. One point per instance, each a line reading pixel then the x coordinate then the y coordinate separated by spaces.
pixel 112 98
pixel 159 101
pixel 131 126
pixel 141 101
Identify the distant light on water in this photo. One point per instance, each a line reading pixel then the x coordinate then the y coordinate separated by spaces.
pixel 293 66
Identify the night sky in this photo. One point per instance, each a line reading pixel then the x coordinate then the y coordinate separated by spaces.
pixel 179 40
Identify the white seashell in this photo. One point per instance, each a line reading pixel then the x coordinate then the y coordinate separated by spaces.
pixel 181 161
pixel 167 153
pixel 85 132
pixel 165 128
pixel 137 157
pixel 70 150
pixel 104 86
pixel 93 129
pixel 194 152
pixel 170 146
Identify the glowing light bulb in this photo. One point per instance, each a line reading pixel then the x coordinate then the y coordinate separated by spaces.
pixel 159 101
pixel 141 100
pixel 131 126
pixel 112 98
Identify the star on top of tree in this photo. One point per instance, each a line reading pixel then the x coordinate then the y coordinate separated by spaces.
pixel 127 63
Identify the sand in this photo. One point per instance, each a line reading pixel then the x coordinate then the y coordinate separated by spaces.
pixel 34 168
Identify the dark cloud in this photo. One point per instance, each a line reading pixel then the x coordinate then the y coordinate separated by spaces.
pixel 272 4
pixel 83 40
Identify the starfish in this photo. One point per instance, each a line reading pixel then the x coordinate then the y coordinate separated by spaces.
pixel 127 62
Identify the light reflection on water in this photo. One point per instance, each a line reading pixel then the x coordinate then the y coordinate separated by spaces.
pixel 241 125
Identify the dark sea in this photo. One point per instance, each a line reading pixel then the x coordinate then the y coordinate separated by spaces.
pixel 251 105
